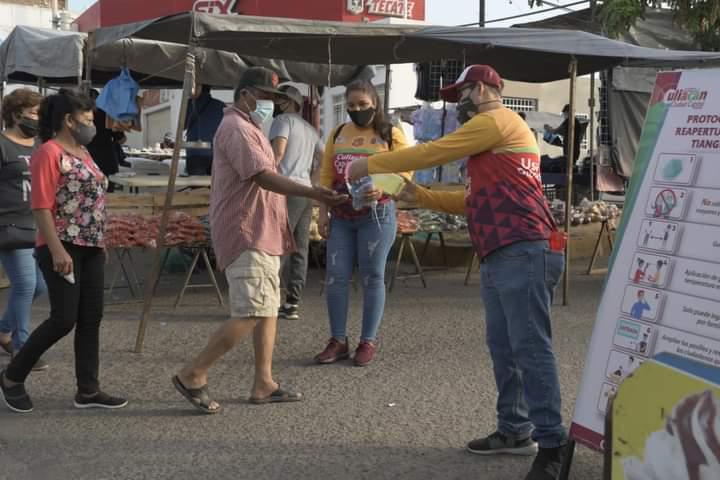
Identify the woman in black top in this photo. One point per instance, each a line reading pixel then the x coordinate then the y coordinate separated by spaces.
pixel 17 226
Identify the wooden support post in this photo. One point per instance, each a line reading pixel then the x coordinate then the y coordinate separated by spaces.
pixel 188 84
pixel 570 164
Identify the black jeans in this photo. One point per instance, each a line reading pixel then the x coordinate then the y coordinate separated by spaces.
pixel 78 306
pixel 198 166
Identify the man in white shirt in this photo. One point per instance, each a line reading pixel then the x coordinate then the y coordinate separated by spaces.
pixel 298 150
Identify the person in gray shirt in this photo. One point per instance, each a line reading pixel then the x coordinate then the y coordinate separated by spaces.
pixel 298 150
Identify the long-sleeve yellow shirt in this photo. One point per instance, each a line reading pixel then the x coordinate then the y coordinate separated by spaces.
pixel 503 198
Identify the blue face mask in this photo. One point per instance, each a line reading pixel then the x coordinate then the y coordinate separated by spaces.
pixel 263 112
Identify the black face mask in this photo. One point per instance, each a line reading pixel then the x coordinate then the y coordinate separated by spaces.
pixel 28 126
pixel 362 118
pixel 83 134
pixel 466 109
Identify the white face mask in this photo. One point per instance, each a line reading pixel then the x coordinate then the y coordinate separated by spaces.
pixel 263 112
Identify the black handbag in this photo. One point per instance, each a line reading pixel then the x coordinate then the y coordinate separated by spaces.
pixel 14 237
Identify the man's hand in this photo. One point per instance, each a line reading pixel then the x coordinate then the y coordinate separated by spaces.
pixel 408 193
pixel 374 194
pixel 358 169
pixel 328 197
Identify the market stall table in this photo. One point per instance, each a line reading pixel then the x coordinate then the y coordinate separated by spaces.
pixel 136 182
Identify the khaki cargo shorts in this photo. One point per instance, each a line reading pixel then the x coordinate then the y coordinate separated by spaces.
pixel 254 281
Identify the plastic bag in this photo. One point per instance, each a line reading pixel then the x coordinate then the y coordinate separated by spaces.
pixel 117 99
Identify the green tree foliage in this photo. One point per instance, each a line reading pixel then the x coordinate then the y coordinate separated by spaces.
pixel 701 18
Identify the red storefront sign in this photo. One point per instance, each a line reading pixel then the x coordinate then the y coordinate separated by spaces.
pixel 106 13
pixel 390 8
pixel 219 7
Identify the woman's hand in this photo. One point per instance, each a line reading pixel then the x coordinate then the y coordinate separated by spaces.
pixel 374 194
pixel 62 262
pixel 324 224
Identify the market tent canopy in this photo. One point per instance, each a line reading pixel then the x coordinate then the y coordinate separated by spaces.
pixel 58 57
pixel 541 55
pixel 280 38
pixel 531 55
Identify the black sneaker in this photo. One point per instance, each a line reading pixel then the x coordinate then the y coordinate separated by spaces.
pixel 40 365
pixel 99 400
pixel 498 443
pixel 16 398
pixel 547 464
pixel 289 311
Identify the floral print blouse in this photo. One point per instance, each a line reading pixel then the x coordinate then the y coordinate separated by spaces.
pixel 74 190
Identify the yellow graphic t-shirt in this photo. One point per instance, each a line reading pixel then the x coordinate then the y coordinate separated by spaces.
pixel 353 143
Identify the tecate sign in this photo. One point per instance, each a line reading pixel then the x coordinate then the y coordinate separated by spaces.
pixel 385 8
pixel 220 7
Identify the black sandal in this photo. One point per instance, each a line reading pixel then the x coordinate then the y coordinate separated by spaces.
pixel 7 347
pixel 198 397
pixel 16 398
pixel 278 396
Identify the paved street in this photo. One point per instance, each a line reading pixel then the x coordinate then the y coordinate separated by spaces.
pixel 407 416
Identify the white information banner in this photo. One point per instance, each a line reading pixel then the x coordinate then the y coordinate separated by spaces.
pixel 663 290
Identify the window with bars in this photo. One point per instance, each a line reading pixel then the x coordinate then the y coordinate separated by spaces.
pixel 520 104
pixel 339 108
pixel 584 145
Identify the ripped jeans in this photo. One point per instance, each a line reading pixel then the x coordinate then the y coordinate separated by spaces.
pixel 369 239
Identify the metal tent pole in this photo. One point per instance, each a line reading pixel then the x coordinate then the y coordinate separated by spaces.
pixel 593 5
pixel 591 104
pixel 388 81
pixel 188 83
pixel 89 47
pixel 568 188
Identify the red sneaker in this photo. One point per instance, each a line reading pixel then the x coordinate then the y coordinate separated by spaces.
pixel 365 353
pixel 333 352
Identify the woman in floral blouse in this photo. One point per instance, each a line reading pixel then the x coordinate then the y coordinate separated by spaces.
pixel 68 201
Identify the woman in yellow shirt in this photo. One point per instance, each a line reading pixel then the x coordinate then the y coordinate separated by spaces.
pixel 366 234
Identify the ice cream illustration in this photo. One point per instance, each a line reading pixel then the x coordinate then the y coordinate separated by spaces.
pixel 689 446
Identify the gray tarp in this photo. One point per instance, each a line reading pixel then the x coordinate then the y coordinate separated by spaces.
pixel 532 55
pixel 57 56
pixel 42 52
pixel 630 88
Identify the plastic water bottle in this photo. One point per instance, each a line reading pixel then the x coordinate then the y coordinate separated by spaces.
pixel 358 189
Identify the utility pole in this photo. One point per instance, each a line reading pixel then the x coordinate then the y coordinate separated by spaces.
pixel 481 15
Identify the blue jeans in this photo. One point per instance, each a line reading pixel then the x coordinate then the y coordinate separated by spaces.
pixel 518 282
pixel 369 240
pixel 26 284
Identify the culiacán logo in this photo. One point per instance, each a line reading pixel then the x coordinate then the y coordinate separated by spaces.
pixel 686 97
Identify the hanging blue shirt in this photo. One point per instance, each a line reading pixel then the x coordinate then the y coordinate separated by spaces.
pixel 204 115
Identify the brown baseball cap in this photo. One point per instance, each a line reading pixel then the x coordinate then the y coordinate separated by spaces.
pixel 260 78
pixel 472 74
pixel 293 94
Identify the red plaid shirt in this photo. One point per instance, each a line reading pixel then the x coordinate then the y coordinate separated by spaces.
pixel 243 216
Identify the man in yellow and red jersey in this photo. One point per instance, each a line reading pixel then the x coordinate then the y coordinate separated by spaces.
pixel 521 252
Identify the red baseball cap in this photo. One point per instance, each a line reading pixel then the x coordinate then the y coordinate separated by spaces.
pixel 472 74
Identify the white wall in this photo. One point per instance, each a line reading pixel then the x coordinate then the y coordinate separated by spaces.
pixel 12 15
pixel 171 99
